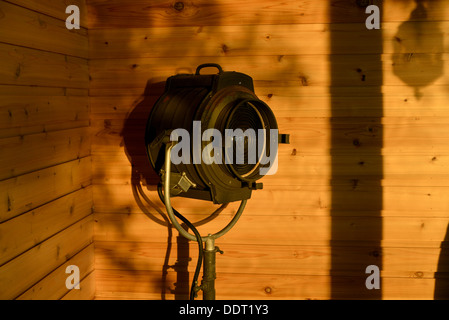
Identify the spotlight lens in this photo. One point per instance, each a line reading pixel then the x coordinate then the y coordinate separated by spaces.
pixel 244 148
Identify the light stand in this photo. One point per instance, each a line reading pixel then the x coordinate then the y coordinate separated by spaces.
pixel 209 275
pixel 210 250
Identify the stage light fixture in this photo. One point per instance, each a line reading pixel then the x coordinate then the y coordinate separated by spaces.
pixel 211 138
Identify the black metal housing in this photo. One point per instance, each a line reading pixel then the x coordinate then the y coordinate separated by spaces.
pixel 225 100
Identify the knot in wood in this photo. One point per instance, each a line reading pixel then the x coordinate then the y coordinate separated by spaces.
pixel 179 6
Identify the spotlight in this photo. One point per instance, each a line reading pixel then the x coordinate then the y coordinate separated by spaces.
pixel 211 138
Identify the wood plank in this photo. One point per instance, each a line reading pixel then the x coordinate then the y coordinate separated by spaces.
pixel 292 229
pixel 362 165
pixel 306 70
pixel 13 90
pixel 121 14
pixel 24 66
pixel 410 289
pixel 310 102
pixel 348 161
pixel 124 174
pixel 293 200
pixel 33 152
pixel 149 285
pixel 357 105
pixel 21 115
pixel 23 27
pixel 162 13
pixel 286 88
pixel 23 272
pixel 55 8
pixel 244 40
pixel 29 191
pixel 267 259
pixel 53 286
pixel 356 136
pixel 35 226
pixel 86 290
pixel 129 296
pixel 351 160
pixel 116 122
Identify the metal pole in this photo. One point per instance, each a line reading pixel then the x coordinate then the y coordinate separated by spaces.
pixel 209 275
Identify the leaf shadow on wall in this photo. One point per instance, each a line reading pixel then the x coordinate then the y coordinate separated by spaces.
pixel 144 177
pixel 133 134
pixel 279 71
pixel 418 62
pixel 418 50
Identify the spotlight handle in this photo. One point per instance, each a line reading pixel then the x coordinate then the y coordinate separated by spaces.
pixel 169 208
pixel 209 253
pixel 208 65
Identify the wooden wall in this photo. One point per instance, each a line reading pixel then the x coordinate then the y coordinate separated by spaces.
pixel 46 220
pixel 363 182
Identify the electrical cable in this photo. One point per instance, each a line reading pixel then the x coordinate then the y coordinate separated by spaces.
pixel 172 214
pixel 198 239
